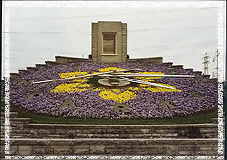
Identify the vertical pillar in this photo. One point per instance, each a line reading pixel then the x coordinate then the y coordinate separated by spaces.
pixel 109 42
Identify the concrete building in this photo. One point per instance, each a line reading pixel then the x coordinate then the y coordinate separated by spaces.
pixel 109 42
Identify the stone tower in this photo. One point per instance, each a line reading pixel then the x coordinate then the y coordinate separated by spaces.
pixel 109 42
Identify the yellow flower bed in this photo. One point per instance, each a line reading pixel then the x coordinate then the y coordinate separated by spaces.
pixel 160 89
pixel 111 69
pixel 79 80
pixel 134 88
pixel 120 98
pixel 70 87
pixel 71 74
pixel 116 90
pixel 97 89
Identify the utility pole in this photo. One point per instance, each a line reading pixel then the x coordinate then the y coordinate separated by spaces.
pixel 216 59
pixel 205 63
pixel 217 54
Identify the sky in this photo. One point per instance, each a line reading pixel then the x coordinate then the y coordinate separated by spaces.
pixel 180 35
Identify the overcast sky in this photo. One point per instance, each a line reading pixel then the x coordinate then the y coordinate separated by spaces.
pixel 179 35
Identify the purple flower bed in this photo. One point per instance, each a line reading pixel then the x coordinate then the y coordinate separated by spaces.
pixel 198 94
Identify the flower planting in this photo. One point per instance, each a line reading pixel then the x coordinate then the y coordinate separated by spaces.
pixel 89 99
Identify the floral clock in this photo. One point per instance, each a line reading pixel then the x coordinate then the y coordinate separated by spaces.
pixel 90 98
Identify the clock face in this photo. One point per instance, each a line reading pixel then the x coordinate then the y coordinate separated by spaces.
pixel 115 89
pixel 100 97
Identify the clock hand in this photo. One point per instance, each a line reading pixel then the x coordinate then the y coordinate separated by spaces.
pixel 149 83
pixel 71 78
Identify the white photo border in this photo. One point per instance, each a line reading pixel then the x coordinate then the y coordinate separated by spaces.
pixel 221 47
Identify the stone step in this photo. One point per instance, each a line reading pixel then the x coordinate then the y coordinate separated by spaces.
pixel 3 128
pixel 22 71
pixel 197 73
pixel 84 132
pixel 50 63
pixel 168 64
pixel 17 136
pixel 208 131
pixel 46 133
pixel 23 126
pixel 18 129
pixel 19 120
pixel 62 128
pixel 32 68
pixel 13 135
pixel 97 126
pixel 189 69
pixel 2 134
pixel 215 120
pixel 21 131
pixel 127 136
pixel 92 136
pixel 64 60
pixel 177 66
pixel 154 147
pixel 14 75
pixel 100 136
pixel 11 114
pixel 206 76
pixel 40 65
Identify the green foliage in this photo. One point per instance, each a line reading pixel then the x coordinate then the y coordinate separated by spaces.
pixel 94 81
pixel 193 119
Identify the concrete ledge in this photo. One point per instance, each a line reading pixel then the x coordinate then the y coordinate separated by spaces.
pixel 51 63
pixel 14 74
pixel 206 76
pixel 197 72
pixel 32 68
pixel 168 64
pixel 40 65
pixel 154 60
pixel 214 79
pixel 189 69
pixel 178 66
pixel 63 60
pixel 22 71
